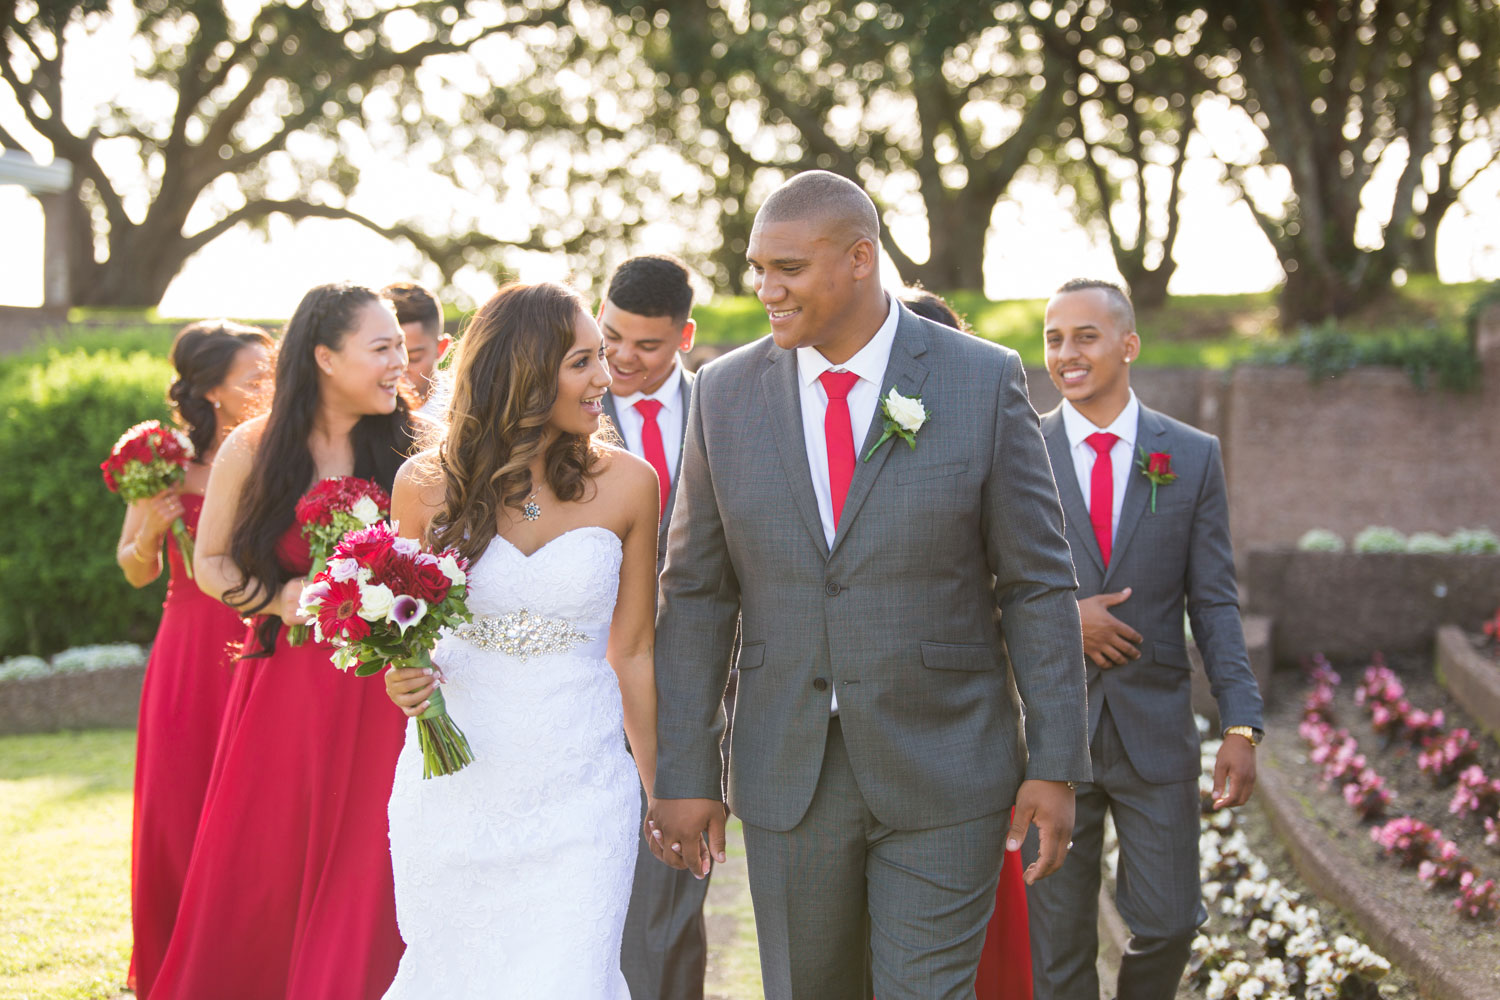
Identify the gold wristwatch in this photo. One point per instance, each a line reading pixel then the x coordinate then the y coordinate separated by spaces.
pixel 1249 732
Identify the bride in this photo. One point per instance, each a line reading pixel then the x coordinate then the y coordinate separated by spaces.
pixel 514 874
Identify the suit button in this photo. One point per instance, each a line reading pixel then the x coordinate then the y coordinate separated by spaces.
pixel 820 683
pixel 832 590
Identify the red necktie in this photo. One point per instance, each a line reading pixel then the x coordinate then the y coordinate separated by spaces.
pixel 1102 491
pixel 651 446
pixel 839 436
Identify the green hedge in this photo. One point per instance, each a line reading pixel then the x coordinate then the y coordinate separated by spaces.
pixel 62 411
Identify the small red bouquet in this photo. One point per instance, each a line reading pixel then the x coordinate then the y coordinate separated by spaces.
pixel 147 459
pixel 327 512
pixel 382 600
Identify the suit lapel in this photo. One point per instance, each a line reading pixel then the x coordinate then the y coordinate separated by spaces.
pixel 906 374
pixel 1149 429
pixel 784 401
pixel 1055 432
pixel 613 415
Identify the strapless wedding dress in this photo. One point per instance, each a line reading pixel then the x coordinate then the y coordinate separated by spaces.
pixel 513 875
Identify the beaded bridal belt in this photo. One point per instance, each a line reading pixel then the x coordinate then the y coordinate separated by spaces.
pixel 523 635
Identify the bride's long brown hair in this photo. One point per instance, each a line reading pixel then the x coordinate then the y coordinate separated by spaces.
pixel 504 386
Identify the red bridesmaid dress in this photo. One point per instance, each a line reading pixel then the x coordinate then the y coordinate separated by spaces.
pixel 182 706
pixel 1005 963
pixel 289 893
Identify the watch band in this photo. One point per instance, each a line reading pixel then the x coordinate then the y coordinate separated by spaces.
pixel 1249 732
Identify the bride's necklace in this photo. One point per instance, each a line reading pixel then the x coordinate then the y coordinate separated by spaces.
pixel 532 510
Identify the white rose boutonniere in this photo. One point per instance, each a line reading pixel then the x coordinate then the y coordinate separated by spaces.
pixel 904 416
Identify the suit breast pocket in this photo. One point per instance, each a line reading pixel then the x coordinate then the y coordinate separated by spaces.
pixel 928 473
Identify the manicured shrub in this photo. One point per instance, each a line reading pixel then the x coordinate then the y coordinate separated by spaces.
pixel 1378 539
pixel 1320 540
pixel 62 413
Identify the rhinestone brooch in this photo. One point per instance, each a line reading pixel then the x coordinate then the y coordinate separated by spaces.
pixel 523 635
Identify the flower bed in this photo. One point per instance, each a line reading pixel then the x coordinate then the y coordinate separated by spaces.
pixel 1335 790
pixel 1264 940
pixel 88 687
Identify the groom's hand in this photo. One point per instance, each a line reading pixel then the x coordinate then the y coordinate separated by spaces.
pixel 675 828
pixel 1049 805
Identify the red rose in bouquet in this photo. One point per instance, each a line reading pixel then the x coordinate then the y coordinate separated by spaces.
pixel 382 600
pixel 147 459
pixel 327 512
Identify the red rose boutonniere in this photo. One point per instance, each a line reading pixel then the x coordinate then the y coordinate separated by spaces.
pixel 1157 467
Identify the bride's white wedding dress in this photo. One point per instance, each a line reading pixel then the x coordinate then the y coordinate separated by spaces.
pixel 513 875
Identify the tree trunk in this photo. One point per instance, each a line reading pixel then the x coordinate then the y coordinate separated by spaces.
pixel 956 239
pixel 1148 288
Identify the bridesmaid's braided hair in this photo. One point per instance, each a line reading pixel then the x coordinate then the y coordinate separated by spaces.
pixel 504 386
pixel 283 467
pixel 202 354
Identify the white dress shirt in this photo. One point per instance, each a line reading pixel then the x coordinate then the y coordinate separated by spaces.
pixel 670 419
pixel 1121 456
pixel 864 399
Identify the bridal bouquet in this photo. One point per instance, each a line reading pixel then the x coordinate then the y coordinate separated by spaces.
pixel 147 459
pixel 382 600
pixel 329 511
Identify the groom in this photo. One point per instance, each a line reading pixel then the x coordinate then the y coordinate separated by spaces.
pixel 877 745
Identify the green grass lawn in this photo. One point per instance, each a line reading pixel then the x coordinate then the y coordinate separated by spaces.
pixel 65 875
pixel 65 864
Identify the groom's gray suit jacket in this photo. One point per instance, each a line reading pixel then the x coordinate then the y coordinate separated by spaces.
pixel 897 617
pixel 1177 557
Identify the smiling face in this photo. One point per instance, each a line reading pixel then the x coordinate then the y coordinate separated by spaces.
pixel 809 276
pixel 642 350
pixel 1088 352
pixel 423 352
pixel 364 374
pixel 581 381
pixel 245 390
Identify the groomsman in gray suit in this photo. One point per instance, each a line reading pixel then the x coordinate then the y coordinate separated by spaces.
pixel 864 487
pixel 1148 523
pixel 647 325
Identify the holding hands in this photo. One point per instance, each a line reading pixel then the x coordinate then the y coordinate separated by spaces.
pixel 675 830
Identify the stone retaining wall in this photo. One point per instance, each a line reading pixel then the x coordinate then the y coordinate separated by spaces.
pixel 1470 676
pixel 95 699
pixel 1348 604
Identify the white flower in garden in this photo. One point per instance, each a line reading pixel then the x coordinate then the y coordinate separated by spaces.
pixel 1250 989
pixel 343 570
pixel 452 570
pixel 375 601
pixel 1211 891
pixel 1258 870
pixel 1217 988
pixel 366 510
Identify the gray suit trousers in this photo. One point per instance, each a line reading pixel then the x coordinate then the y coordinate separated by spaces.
pixel 664 951
pixel 1156 888
pixel 842 897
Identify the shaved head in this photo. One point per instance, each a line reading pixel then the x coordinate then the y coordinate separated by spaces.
pixel 834 204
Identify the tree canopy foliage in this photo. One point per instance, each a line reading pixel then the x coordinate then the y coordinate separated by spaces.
pixel 1348 127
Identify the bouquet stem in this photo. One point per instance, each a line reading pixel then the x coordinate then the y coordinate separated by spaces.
pixel 184 545
pixel 445 750
pixel 296 635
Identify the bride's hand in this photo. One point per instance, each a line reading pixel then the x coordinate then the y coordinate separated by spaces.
pixel 410 687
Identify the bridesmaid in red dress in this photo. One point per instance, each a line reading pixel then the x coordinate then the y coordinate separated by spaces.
pixel 289 893
pixel 222 369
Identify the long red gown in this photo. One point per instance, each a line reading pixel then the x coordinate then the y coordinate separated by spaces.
pixel 289 893
pixel 182 707
pixel 1005 963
